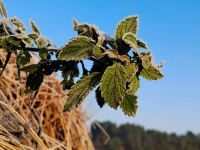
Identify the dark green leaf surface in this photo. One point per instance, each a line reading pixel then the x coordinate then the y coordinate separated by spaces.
pixel 6 62
pixel 13 40
pixel 129 105
pixel 1 64
pixel 23 57
pixel 34 80
pixel 99 98
pixel 30 68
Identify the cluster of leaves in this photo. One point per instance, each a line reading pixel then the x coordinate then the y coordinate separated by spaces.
pixel 117 62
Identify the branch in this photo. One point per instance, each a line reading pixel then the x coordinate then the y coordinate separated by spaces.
pixel 34 49
pixel 85 71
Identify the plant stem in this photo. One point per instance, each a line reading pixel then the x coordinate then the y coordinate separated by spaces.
pixel 34 49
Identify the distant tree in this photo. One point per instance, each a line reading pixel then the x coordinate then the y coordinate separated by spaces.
pixel 131 137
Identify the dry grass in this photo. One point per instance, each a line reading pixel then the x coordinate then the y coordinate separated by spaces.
pixel 40 123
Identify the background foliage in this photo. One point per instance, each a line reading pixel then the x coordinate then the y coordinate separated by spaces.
pixel 133 137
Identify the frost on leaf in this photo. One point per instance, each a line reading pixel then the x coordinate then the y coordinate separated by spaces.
pixel 133 85
pixel 77 49
pixel 152 73
pixel 130 71
pixel 81 89
pixel 34 27
pixel 130 39
pixel 129 24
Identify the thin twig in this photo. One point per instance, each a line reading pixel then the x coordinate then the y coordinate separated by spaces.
pixel 104 131
pixel 34 49
pixel 85 71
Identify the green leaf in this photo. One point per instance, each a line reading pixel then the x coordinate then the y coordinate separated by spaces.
pixel 67 84
pixel 152 73
pixel 113 84
pixel 130 71
pixel 100 66
pixel 81 89
pixel 33 36
pixel 113 54
pixel 30 68
pixel 88 30
pixel 70 70
pixel 27 42
pixel 34 80
pixel 43 53
pixel 1 64
pixel 97 52
pixel 147 59
pixel 133 85
pixel 4 43
pixel 141 44
pixel 6 62
pixel 34 27
pixel 41 42
pixel 129 105
pixel 23 57
pixel 18 24
pixel 13 40
pixel 99 98
pixel 130 39
pixel 77 49
pixel 129 24
pixel 3 10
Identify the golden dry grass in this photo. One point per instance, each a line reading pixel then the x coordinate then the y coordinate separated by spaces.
pixel 27 124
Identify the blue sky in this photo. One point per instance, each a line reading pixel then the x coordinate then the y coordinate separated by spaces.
pixel 171 30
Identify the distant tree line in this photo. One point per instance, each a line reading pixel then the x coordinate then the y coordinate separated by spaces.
pixel 134 137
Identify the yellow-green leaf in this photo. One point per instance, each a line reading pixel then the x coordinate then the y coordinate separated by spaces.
pixel 147 59
pixel 3 10
pixel 130 39
pixel 129 105
pixel 34 27
pixel 133 85
pixel 77 49
pixel 19 24
pixel 129 24
pixel 113 54
pixel 81 89
pixel 152 73
pixel 97 52
pixel 130 71
pixel 142 44
pixel 113 84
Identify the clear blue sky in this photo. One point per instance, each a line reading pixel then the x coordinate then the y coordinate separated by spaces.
pixel 172 30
